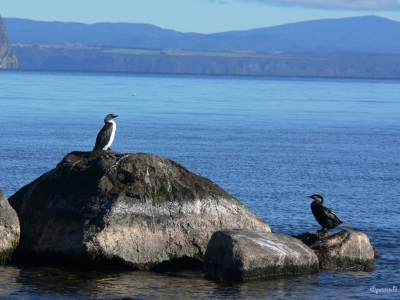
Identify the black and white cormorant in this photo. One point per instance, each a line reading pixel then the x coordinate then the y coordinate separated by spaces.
pixel 324 216
pixel 107 134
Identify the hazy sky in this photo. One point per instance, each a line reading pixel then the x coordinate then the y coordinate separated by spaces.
pixel 203 16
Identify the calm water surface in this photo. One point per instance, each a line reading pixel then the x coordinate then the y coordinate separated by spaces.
pixel 269 142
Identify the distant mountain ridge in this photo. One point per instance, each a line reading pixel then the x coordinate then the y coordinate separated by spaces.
pixel 366 47
pixel 369 34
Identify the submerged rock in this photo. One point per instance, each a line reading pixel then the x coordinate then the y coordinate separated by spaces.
pixel 111 209
pixel 237 255
pixel 9 229
pixel 345 250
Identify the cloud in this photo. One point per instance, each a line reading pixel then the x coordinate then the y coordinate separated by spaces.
pixel 367 5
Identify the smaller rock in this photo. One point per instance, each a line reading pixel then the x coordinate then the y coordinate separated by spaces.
pixel 346 250
pixel 238 255
pixel 9 229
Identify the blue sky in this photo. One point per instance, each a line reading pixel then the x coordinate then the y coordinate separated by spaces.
pixel 203 16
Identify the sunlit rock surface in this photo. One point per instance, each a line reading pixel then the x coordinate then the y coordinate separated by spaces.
pixel 9 229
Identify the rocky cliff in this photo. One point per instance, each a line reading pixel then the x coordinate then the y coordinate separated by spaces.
pixel 8 59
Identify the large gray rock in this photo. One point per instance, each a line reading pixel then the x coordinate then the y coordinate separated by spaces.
pixel 346 250
pixel 8 59
pixel 237 255
pixel 129 210
pixel 9 229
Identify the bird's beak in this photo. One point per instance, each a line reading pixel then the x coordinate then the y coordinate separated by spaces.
pixel 115 116
pixel 309 197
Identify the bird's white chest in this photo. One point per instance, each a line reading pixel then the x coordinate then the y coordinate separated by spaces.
pixel 112 136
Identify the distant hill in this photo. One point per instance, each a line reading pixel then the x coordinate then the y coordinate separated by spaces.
pixel 359 34
pixel 369 34
pixel 361 46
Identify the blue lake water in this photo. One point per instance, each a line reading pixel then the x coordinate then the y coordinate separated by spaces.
pixel 269 142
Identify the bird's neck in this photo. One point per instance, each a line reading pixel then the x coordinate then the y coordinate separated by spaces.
pixel 317 202
pixel 111 123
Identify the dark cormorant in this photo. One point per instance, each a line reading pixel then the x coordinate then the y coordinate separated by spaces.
pixel 107 133
pixel 324 216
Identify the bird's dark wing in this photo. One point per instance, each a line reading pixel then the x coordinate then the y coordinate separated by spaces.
pixel 103 137
pixel 331 215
